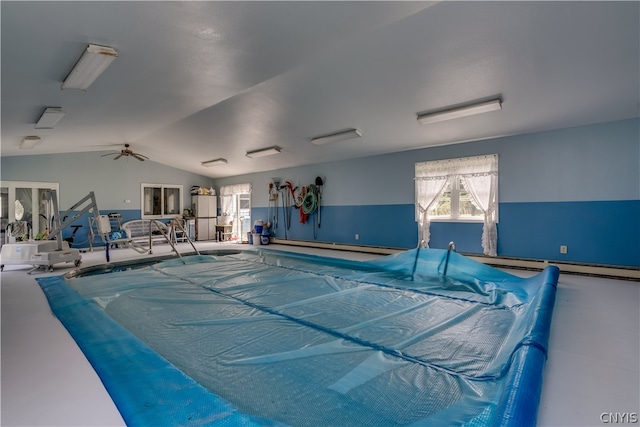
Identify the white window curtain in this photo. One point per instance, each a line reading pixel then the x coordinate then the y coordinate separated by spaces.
pixel 479 176
pixel 428 191
pixel 227 192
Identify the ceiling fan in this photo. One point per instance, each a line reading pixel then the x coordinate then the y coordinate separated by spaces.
pixel 126 152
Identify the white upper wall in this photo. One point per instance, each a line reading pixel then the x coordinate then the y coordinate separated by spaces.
pixel 587 163
pixel 112 181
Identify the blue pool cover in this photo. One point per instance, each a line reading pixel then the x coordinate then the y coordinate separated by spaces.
pixel 422 338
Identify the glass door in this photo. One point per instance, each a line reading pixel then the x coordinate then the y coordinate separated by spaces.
pixel 236 210
pixel 4 212
pixel 26 201
pixel 244 217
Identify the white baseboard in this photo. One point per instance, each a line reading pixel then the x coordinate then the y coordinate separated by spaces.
pixel 527 264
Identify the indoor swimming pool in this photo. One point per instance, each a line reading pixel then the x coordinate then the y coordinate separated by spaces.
pixel 265 337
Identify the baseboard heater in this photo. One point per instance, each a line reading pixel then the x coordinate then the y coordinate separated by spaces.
pixel 628 273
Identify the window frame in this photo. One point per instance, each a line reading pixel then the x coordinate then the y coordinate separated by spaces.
pixel 163 188
pixel 454 178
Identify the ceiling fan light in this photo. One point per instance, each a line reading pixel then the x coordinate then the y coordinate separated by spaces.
pixel 126 152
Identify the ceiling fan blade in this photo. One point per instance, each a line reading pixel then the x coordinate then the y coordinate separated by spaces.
pixel 126 152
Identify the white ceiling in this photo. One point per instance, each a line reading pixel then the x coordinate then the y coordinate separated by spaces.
pixel 196 81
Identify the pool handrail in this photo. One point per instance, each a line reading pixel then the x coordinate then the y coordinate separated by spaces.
pixel 423 244
pixel 160 227
pixel 451 247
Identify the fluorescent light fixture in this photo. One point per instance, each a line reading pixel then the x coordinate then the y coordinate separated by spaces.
pixel 457 112
pixel 215 162
pixel 49 118
pixel 94 60
pixel 264 152
pixel 29 142
pixel 335 137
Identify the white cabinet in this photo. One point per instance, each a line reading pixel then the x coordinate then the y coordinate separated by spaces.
pixel 206 228
pixel 205 209
pixel 204 206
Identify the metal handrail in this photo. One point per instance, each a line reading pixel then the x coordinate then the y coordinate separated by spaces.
pixel 451 247
pixel 160 226
pixel 423 244
pixel 184 232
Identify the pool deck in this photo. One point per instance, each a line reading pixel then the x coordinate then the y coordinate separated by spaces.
pixel 593 365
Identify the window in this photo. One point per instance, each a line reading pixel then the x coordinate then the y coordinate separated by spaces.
pixel 161 200
pixel 455 203
pixel 463 189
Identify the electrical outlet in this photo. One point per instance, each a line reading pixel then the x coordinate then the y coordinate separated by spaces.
pixel 563 249
pixel 357 236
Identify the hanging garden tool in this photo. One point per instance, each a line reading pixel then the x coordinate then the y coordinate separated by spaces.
pixel 287 196
pixel 273 198
pixel 309 203
pixel 283 189
pixel 319 184
pixel 300 202
pixel 269 207
pixel 272 212
pixel 290 195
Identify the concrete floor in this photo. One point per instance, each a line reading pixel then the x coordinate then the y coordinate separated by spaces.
pixel 593 366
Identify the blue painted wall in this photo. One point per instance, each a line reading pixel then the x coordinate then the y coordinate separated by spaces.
pixel 598 232
pixel 578 187
pixel 527 230
pixel 340 224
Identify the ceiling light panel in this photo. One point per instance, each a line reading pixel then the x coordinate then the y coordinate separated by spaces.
pixel 29 142
pixel 49 118
pixel 94 60
pixel 336 137
pixel 215 162
pixel 458 112
pixel 264 152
